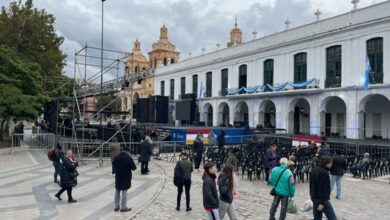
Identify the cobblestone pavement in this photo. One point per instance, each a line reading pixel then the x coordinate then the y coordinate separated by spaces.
pixel 360 200
pixel 27 190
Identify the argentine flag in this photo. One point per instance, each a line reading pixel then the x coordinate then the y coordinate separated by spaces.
pixel 367 73
pixel 201 90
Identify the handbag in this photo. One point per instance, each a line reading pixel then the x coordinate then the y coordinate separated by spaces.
pixel 291 207
pixel 273 191
pixel 73 174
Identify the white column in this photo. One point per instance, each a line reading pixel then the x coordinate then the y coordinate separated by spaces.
pixel 315 119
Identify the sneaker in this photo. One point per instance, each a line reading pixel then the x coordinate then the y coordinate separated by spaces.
pixel 116 209
pixel 337 197
pixel 72 200
pixel 178 209
pixel 188 209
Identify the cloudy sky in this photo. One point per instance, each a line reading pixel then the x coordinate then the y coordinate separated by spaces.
pixel 193 24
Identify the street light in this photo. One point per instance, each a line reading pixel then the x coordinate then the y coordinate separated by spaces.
pixel 101 60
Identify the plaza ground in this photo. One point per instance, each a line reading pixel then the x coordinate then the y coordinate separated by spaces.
pixel 27 189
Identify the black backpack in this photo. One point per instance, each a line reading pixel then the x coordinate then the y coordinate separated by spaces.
pixel 178 176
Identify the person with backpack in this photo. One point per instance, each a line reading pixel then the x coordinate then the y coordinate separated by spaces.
pixel 282 181
pixel 182 178
pixel 210 194
pixel 226 186
pixel 55 154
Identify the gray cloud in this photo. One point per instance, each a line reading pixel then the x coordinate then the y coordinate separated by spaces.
pixel 193 24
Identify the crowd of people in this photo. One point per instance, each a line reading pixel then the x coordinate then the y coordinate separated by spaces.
pixel 220 183
pixel 220 178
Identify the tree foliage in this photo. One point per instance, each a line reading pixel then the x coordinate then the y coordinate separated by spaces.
pixel 102 101
pixel 21 94
pixel 31 33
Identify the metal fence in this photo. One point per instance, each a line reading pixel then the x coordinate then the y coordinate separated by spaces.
pixel 33 141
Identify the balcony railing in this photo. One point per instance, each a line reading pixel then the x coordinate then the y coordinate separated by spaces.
pixel 333 82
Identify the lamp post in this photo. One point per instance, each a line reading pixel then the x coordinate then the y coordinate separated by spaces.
pixel 101 61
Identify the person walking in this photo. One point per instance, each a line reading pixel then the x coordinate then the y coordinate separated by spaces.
pixel 57 159
pixel 123 165
pixel 226 185
pixel 282 180
pixel 186 169
pixel 68 176
pixel 197 150
pixel 269 160
pixel 320 189
pixel 339 167
pixel 145 152
pixel 209 189
pixel 115 148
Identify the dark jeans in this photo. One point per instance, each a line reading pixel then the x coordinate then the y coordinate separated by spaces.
pixel 187 186
pixel 198 159
pixel 328 211
pixel 275 205
pixel 68 190
pixel 56 170
pixel 144 167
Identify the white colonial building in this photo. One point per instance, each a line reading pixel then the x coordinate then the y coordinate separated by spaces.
pixel 307 79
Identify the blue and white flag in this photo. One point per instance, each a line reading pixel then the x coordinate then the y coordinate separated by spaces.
pixel 201 90
pixel 367 73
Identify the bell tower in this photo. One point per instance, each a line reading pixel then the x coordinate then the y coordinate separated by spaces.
pixel 235 35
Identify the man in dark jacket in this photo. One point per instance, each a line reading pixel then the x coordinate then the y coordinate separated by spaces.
pixel 123 165
pixel 197 150
pixel 210 194
pixel 320 190
pixel 58 155
pixel 186 167
pixel 145 152
pixel 337 171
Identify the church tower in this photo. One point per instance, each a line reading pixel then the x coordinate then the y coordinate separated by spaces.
pixel 235 35
pixel 163 51
pixel 136 61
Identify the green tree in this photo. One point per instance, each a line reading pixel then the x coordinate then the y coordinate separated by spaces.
pixel 21 94
pixel 31 33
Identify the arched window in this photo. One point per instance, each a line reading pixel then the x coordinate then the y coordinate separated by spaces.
pixel 242 76
pixel 165 61
pixel 268 76
pixel 333 67
pixel 300 67
pixel 172 61
pixel 375 56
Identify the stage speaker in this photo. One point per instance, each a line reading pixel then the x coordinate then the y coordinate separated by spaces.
pixel 143 110
pixel 162 109
pixel 152 109
pixel 188 96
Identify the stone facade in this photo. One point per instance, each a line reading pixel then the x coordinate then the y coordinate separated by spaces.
pixel 163 53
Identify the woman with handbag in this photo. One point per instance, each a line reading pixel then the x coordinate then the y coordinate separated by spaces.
pixel 68 176
pixel 282 181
